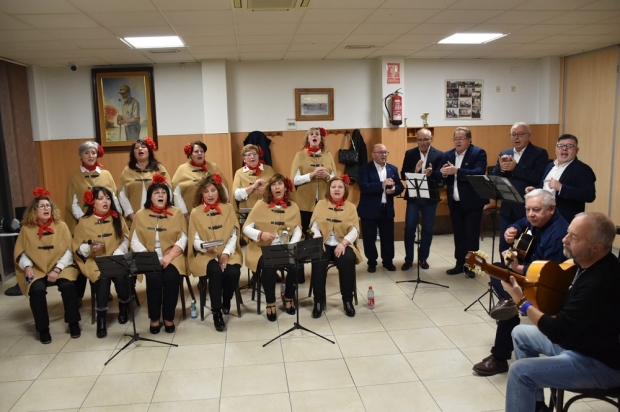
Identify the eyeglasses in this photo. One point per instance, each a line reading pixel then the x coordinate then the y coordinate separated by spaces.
pixel 47 206
pixel 384 153
pixel 423 140
pixel 519 135
pixel 251 155
pixel 565 146
pixel 458 139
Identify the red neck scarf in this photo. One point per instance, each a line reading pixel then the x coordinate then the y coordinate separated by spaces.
pixel 257 170
pixel 160 211
pixel 202 166
pixel 312 150
pixel 277 202
pixel 215 207
pixel 91 168
pixel 103 217
pixel 338 205
pixel 45 227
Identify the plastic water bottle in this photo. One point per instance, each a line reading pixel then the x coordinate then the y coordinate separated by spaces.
pixel 371 298
pixel 282 289
pixel 285 236
pixel 192 310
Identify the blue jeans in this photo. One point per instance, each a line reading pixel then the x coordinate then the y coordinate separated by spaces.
pixel 561 368
pixel 411 222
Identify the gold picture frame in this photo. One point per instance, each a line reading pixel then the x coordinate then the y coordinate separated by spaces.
pixel 314 104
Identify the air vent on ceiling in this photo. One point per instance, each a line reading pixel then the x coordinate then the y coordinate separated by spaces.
pixel 359 46
pixel 163 51
pixel 261 5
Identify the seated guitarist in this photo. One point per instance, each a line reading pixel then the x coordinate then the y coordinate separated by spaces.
pixel 547 229
pixel 581 342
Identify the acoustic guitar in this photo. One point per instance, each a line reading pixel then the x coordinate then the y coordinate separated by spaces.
pixel 519 249
pixel 545 284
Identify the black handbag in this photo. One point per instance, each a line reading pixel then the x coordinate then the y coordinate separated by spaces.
pixel 348 156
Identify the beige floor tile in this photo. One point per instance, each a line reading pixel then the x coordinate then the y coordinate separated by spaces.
pixel 196 332
pixel 142 407
pixel 276 402
pixel 361 323
pixel 22 368
pixel 321 374
pixel 254 380
pixel 380 370
pixel 422 339
pixel 251 331
pixel 188 385
pixel 341 400
pixel 452 316
pixel 366 344
pixel 427 299
pixel 321 325
pixel 309 348
pixel 137 360
pixel 394 303
pixel 59 393
pixel 89 341
pixel 409 319
pixel 500 380
pixel 476 353
pixel 195 357
pixel 598 406
pixel 126 388
pixel 406 397
pixel 476 334
pixel 470 393
pixel 31 345
pixel 252 353
pixel 74 364
pixel 201 405
pixel 10 392
pixel 439 364
pixel 381 289
pixel 6 342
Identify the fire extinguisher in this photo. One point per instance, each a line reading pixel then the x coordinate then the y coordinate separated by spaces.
pixel 396 114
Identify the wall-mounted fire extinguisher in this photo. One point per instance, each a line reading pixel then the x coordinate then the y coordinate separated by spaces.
pixel 396 114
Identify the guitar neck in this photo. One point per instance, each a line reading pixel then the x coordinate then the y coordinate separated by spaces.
pixel 476 261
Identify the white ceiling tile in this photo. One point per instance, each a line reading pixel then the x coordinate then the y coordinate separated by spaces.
pixel 250 29
pixel 57 21
pixel 520 38
pixel 9 23
pixel 438 28
pixel 293 55
pixel 83 63
pixel 261 56
pixel 210 30
pixel 120 55
pixel 611 20
pixel 534 47
pixel 449 47
pixel 524 17
pixel 565 38
pixel 459 16
pixel 388 53
pixel 376 39
pixel 466 54
pixel 130 19
pixel 36 6
pixel 486 4
pixel 348 54
pixel 28 46
pixel 43 62
pixel 430 54
pixel 119 60
pixel 509 54
pixel 325 28
pixel 549 29
pixel 315 48
pixel 98 44
pixel 419 38
pixel 192 4
pixel 536 5
pixel 66 55
pixel 217 56
pixel 602 5
pixel 596 29
pixel 381 28
pixel 496 28
pixel 191 41
pixel 390 16
pixel 405 47
pixel 582 17
pixel 23 35
pixel 265 39
pixel 318 38
pixel 212 49
pixel 90 6
pixel 269 17
pixel 196 18
pixel 170 58
pixel 82 34
pixel 256 48
pixel 336 16
pixel 417 4
pixel 345 4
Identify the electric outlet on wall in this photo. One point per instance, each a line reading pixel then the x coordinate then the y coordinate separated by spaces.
pixel 498 89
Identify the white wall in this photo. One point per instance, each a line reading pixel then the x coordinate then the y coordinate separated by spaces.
pixel 425 90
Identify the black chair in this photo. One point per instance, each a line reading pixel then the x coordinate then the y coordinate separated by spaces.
pixel 203 287
pixel 611 396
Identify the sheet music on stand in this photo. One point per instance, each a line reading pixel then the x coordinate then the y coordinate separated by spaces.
pixel 418 185
pixel 495 187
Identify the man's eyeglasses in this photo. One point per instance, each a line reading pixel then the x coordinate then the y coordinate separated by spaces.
pixel 458 139
pixel 251 155
pixel 48 206
pixel 384 153
pixel 519 135
pixel 565 146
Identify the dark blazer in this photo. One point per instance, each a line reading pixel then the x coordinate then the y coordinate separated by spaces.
pixel 528 172
pixel 362 156
pixel 369 206
pixel 412 157
pixel 578 188
pixel 474 163
pixel 259 139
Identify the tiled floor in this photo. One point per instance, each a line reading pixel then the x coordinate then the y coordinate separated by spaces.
pixel 402 356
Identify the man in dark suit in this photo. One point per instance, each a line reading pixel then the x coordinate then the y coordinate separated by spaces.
pixel 464 203
pixel 569 179
pixel 523 164
pixel 379 183
pixel 422 159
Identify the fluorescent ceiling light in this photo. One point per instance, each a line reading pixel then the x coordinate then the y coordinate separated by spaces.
pixel 471 38
pixel 154 42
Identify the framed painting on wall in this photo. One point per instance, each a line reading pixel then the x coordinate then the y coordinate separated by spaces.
pixel 463 99
pixel 314 104
pixel 124 101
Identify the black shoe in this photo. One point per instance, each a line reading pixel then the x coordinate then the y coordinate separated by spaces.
pixel 169 329
pixel 74 330
pixel 504 310
pixel 218 321
pixel 469 273
pixel 226 307
pixel 289 306
pixel 155 329
pixel 490 366
pixel 349 309
pixel 389 266
pixel 102 331
pixel 45 337
pixel 122 313
pixel 423 264
pixel 317 311
pixel 406 266
pixel 15 291
pixel 455 270
pixel 271 313
pixel 372 268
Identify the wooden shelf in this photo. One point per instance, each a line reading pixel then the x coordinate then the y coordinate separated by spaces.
pixel 411 131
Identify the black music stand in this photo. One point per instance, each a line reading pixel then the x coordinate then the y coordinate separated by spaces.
pixel 280 256
pixel 129 266
pixel 497 188
pixel 419 186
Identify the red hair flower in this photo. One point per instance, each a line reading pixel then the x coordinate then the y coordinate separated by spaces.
pixel 100 151
pixel 88 198
pixel 40 192
pixel 289 185
pixel 345 178
pixel 159 178
pixel 150 144
pixel 322 131
pixel 188 149
pixel 217 179
pixel 261 154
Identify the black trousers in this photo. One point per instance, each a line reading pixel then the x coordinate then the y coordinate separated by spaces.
pixel 346 273
pixel 38 302
pixel 503 347
pixel 385 225
pixel 222 285
pixel 269 276
pixel 305 222
pixel 162 293
pixel 466 227
pixel 102 288
pixel 80 285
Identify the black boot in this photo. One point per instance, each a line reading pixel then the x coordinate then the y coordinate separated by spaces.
pixel 218 320
pixel 317 310
pixel 349 309
pixel 102 332
pixel 122 313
